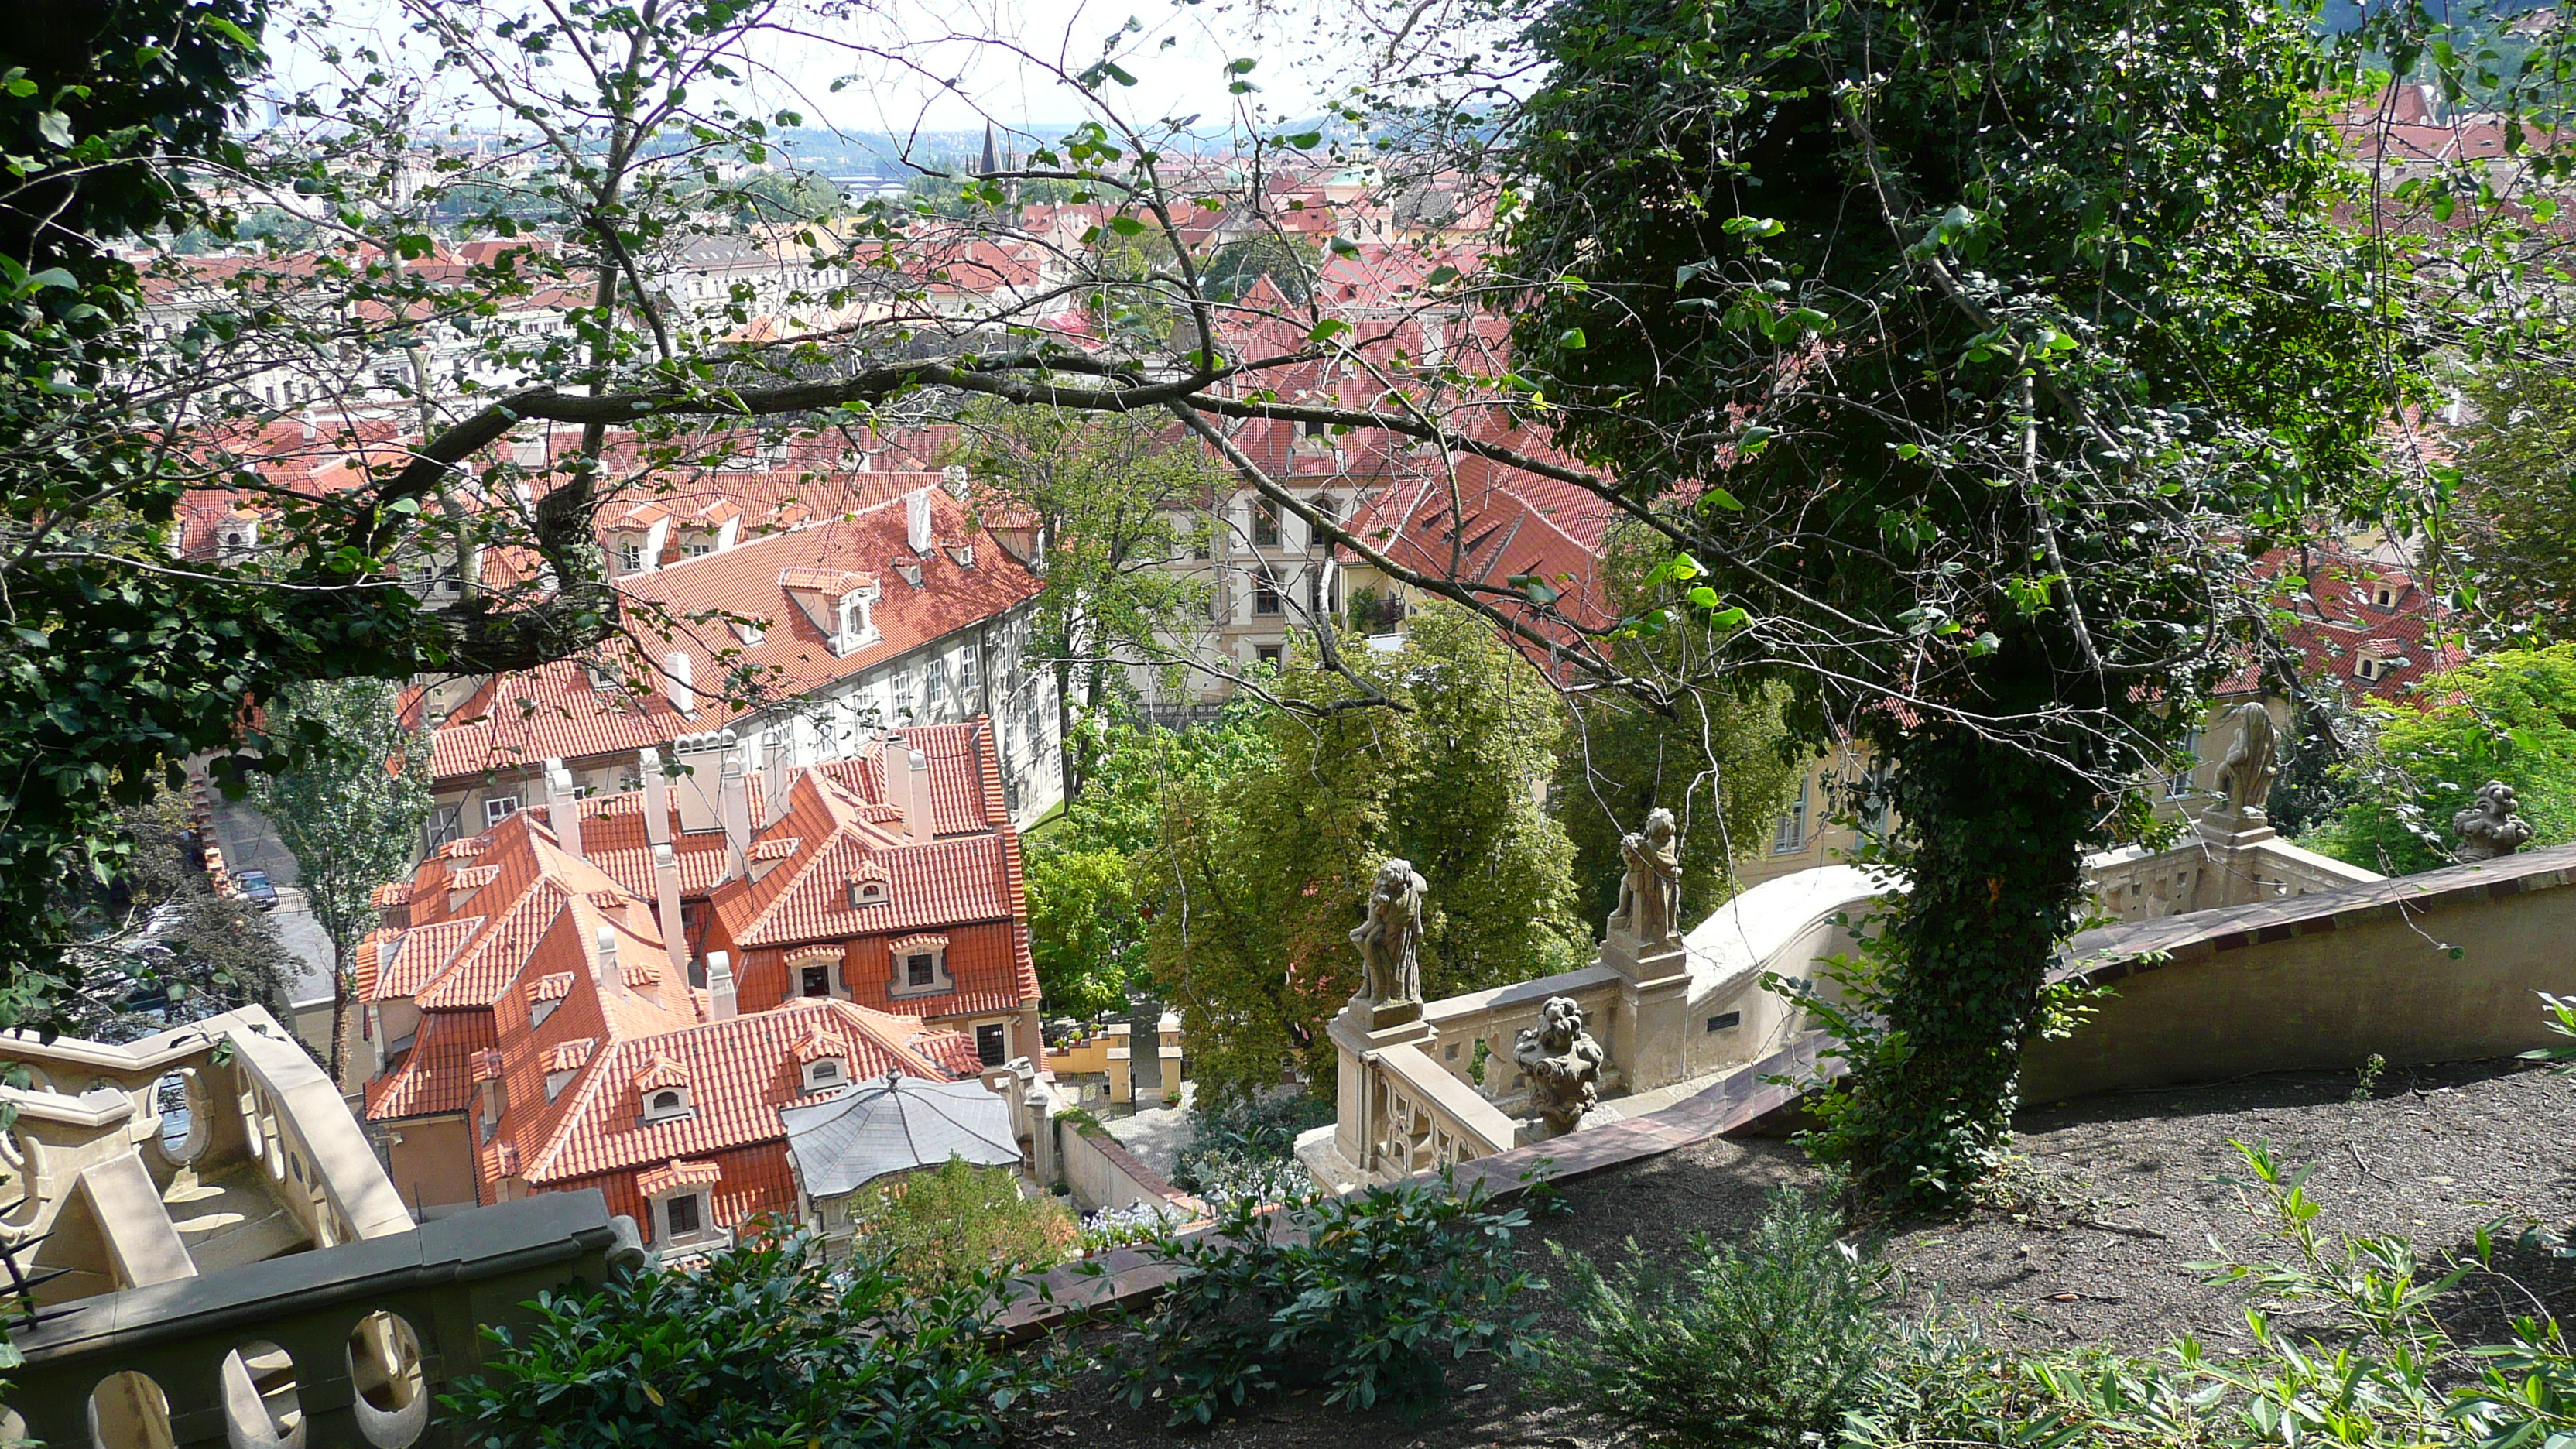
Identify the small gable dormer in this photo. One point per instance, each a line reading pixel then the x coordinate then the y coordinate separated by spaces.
pixel 868 885
pixel 565 1061
pixel 662 1092
pixel 823 1061
pixel 545 994
pixel 840 602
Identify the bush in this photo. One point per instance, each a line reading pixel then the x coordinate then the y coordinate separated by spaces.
pixel 1248 1148
pixel 1753 1347
pixel 957 1220
pixel 1369 1296
pixel 764 1345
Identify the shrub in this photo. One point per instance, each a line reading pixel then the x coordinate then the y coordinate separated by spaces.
pixel 763 1345
pixel 955 1221
pixel 1752 1347
pixel 1248 1148
pixel 1369 1296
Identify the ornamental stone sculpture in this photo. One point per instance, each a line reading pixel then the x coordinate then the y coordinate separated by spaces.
pixel 1650 894
pixel 1388 935
pixel 1563 1063
pixel 2245 775
pixel 2489 828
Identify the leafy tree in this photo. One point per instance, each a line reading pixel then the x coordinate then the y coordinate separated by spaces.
pixel 1720 759
pixel 763 1344
pixel 2508 716
pixel 162 947
pixel 1104 495
pixel 2518 495
pixel 955 1223
pixel 349 809
pixel 1253 887
pixel 1086 936
pixel 1961 355
pixel 1233 268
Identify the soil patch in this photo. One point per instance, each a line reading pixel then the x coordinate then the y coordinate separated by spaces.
pixel 2123 1192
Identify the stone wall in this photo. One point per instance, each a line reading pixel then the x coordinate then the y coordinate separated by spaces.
pixel 2442 966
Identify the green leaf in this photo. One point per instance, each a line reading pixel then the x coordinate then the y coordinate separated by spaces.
pixel 1125 225
pixel 1572 339
pixel 1328 329
pixel 56 127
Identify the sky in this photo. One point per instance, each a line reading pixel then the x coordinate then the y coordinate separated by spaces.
pixel 950 65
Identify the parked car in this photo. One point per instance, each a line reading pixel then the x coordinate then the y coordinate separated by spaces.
pixel 256 889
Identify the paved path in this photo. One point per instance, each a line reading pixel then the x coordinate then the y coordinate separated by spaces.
pixel 249 842
pixel 1156 1134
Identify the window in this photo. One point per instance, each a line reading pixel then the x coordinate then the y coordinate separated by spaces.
pixel 2180 784
pixel 824 1075
pixel 815 981
pixel 2383 594
pixel 663 1104
pixel 666 1101
pixel 1790 835
pixel 445 823
pixel 1265 598
pixel 498 808
pixel 630 557
pixel 921 968
pixel 938 684
pixel 1265 523
pixel 698 547
pixel 1329 509
pixel 684 1217
pixel 1199 541
pixel 2370 667
pixel 967 670
pixel 866 893
pixel 991 1041
pixel 1269 654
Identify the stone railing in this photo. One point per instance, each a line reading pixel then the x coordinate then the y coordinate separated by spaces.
pixel 1493 1021
pixel 2212 870
pixel 345 1345
pixel 1421 1118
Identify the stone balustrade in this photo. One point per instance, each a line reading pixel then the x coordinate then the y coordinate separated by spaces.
pixel 1494 1020
pixel 2213 868
pixel 345 1345
pixel 1423 1118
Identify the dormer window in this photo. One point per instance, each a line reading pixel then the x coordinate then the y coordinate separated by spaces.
pixel 630 557
pixel 666 1105
pixel 920 966
pixel 826 1074
pixel 2369 668
pixel 2383 594
pixel 864 893
pixel 855 626
pixel 662 1091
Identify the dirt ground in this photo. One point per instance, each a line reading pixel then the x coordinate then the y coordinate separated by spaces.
pixel 2123 1192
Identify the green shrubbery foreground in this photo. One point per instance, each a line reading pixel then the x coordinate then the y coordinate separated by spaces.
pixel 1781 1341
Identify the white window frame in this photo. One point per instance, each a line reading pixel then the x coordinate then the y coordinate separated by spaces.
pixel 497 808
pixel 652 1113
pixel 2182 784
pixel 899 978
pixel 1789 835
pixel 817 1081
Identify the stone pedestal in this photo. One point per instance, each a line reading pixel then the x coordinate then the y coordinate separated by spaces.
pixel 1647 1031
pixel 1360 1031
pixel 2233 876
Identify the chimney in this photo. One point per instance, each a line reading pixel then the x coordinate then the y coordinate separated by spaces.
pixel 913 796
pixel 607 938
pixel 720 995
pixel 675 682
pixel 735 798
pixel 773 780
pixel 563 808
pixel 657 797
pixel 917 521
pixel 666 900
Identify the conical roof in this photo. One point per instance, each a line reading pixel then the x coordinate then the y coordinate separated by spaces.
pixel 895 1125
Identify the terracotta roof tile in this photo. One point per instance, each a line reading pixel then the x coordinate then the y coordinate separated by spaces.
pixel 436 1076
pixel 678 1174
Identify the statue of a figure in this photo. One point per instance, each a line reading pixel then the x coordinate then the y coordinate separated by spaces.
pixel 1563 1063
pixel 1389 933
pixel 1650 894
pixel 2490 828
pixel 2245 775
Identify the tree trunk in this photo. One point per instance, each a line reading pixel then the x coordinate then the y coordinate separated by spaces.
pixel 1993 837
pixel 339 1019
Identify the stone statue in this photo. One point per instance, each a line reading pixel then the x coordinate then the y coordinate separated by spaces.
pixel 2490 828
pixel 2245 775
pixel 1563 1063
pixel 1388 935
pixel 1650 894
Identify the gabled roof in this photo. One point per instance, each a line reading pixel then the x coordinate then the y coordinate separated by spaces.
pixel 739 1073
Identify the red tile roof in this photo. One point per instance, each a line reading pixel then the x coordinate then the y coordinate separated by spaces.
pixel 739 1073
pixel 517 720
pixel 436 1076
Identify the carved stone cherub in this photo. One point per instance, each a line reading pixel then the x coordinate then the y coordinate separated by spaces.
pixel 1650 894
pixel 2489 828
pixel 1563 1063
pixel 1388 935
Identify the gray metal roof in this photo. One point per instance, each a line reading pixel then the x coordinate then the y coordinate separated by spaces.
pixel 895 1125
